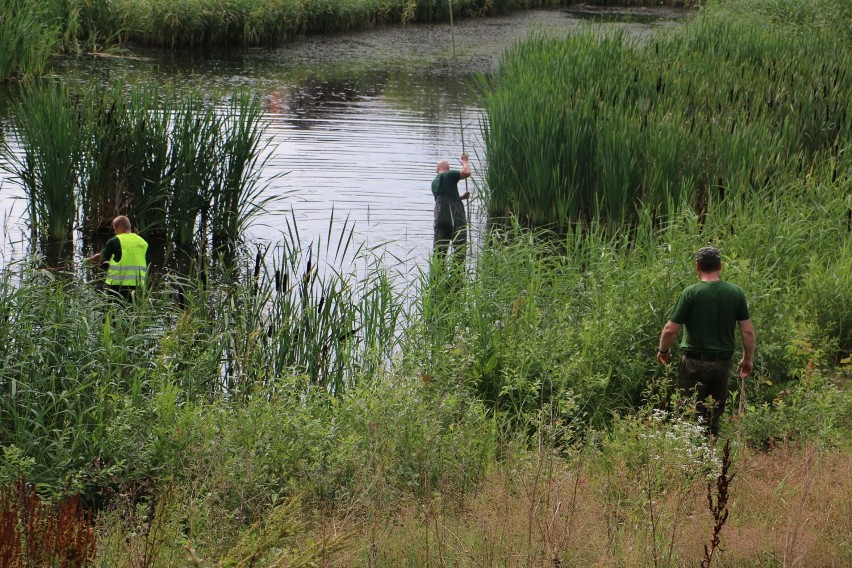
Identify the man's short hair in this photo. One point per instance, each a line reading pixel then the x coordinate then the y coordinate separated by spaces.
pixel 709 259
pixel 121 221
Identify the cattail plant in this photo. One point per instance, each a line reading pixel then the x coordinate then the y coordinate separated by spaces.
pixel 184 169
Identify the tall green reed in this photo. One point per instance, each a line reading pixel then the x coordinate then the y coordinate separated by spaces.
pixel 27 38
pixel 185 169
pixel 46 163
pixel 82 370
pixel 237 189
pixel 592 126
pixel 337 326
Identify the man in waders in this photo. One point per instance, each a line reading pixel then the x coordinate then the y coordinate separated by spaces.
pixel 125 253
pixel 709 310
pixel 450 220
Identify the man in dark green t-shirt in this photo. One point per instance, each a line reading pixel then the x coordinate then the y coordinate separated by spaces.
pixel 450 220
pixel 709 310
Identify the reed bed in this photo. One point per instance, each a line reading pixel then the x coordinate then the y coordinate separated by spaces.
pixel 595 127
pixel 245 23
pixel 510 413
pixel 49 168
pixel 27 38
pixel 80 367
pixel 186 169
pixel 299 377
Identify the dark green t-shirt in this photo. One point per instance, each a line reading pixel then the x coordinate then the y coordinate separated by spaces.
pixel 112 250
pixel 446 185
pixel 709 312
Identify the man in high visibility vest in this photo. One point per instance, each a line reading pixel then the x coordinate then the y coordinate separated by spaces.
pixel 125 254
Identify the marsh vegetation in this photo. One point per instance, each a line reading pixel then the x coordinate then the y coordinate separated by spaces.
pixel 303 408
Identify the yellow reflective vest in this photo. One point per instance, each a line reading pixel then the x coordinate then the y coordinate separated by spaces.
pixel 132 269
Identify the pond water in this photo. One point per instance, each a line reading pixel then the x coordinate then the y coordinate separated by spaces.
pixel 357 121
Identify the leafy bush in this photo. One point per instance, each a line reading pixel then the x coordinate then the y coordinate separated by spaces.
pixel 812 410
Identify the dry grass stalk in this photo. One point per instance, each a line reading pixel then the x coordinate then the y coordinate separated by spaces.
pixel 719 508
pixel 35 533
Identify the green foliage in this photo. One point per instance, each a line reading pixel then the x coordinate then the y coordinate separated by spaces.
pixel 27 39
pixel 810 410
pixel 49 166
pixel 185 170
pixel 596 128
pixel 202 414
pixel 544 314
pixel 94 24
pixel 83 374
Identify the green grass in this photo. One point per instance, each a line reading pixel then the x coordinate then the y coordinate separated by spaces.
pixel 81 370
pixel 305 408
pixel 359 396
pixel 242 22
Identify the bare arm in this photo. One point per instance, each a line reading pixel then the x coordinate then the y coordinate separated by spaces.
pixel 667 339
pixel 94 260
pixel 747 333
pixel 465 171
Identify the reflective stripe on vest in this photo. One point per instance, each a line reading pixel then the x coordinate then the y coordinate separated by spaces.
pixel 131 270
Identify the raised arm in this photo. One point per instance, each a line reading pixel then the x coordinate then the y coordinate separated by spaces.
pixel 465 171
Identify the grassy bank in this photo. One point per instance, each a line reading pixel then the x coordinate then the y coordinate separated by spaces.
pixel 206 414
pixel 245 23
pixel 598 128
pixel 32 30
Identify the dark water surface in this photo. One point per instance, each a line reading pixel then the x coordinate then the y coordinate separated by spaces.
pixel 357 121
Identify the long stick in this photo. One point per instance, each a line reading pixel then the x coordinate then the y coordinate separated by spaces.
pixel 458 105
pixel 740 415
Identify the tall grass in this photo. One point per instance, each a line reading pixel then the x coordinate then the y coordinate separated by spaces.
pixel 80 368
pixel 185 169
pixel 27 38
pixel 595 127
pixel 299 378
pixel 581 310
pixel 49 166
pixel 164 23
